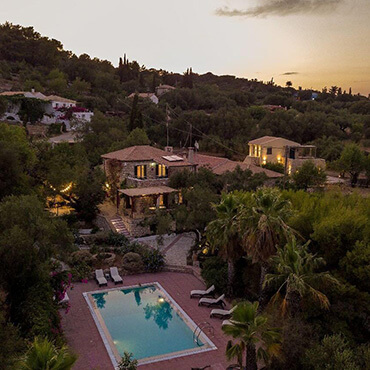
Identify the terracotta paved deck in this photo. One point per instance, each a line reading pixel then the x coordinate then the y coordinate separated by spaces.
pixel 84 339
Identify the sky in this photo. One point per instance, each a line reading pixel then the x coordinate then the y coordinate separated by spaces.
pixel 313 43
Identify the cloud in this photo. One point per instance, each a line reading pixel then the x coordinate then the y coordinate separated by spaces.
pixel 282 8
pixel 290 73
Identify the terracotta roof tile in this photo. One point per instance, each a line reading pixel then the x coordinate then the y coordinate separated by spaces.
pixel 220 165
pixel 269 139
pixel 145 153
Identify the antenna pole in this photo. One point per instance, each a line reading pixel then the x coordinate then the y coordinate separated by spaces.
pixel 167 120
pixel 191 129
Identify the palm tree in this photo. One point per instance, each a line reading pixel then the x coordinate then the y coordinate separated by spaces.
pixel 251 328
pixel 43 355
pixel 223 233
pixel 263 225
pixel 297 278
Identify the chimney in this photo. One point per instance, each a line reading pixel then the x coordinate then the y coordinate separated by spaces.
pixel 168 149
pixel 32 90
pixel 191 155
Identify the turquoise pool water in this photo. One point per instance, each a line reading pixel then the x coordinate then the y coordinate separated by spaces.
pixel 143 321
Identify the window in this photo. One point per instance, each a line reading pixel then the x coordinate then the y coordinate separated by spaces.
pixel 161 201
pixel 140 171
pixel 161 170
pixel 269 151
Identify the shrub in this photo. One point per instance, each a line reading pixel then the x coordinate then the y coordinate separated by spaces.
pixel 81 257
pixel 277 167
pixel 153 260
pixel 132 263
pixel 214 272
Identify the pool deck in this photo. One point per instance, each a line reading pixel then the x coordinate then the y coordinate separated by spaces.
pixel 84 339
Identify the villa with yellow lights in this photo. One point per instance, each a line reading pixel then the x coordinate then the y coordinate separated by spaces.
pixel 270 149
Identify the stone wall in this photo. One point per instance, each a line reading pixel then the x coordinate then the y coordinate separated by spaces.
pixel 296 163
pixel 135 227
pixel 128 173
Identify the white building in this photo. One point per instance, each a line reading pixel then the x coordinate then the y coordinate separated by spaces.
pixel 162 89
pixel 56 108
pixel 59 102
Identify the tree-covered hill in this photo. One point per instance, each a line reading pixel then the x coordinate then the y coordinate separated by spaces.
pixel 224 111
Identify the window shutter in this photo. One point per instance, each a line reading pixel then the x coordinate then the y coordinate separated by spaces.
pixel 135 171
pixel 157 169
pixel 145 171
pixel 166 171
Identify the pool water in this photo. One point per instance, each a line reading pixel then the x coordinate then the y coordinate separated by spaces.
pixel 142 321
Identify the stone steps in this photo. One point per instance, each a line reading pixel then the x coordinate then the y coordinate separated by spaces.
pixel 119 227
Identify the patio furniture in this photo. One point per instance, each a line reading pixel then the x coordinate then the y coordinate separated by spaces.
pixel 226 322
pixel 202 293
pixel 222 313
pixel 99 276
pixel 212 301
pixel 115 275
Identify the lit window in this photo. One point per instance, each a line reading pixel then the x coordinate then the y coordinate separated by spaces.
pixel 180 198
pixel 161 201
pixel 140 171
pixel 161 170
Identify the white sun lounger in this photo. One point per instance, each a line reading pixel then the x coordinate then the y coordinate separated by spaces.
pixel 115 275
pixel 99 276
pixel 226 322
pixel 212 301
pixel 202 293
pixel 222 313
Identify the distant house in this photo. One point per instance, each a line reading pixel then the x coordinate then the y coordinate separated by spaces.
pixel 162 89
pixel 150 96
pixel 56 108
pixel 59 102
pixel 270 149
pixel 145 171
pixel 66 137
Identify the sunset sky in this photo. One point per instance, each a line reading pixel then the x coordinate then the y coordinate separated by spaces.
pixel 313 43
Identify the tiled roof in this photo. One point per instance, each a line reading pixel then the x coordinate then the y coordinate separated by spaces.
pixel 11 93
pixel 166 87
pixel 142 95
pixel 220 165
pixel 38 95
pixel 147 191
pixel 60 99
pixel 144 153
pixel 269 139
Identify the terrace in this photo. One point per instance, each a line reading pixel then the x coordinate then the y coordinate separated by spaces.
pixel 84 339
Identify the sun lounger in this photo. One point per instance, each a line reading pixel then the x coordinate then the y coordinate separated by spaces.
pixel 99 276
pixel 202 293
pixel 115 275
pixel 226 322
pixel 222 313
pixel 212 301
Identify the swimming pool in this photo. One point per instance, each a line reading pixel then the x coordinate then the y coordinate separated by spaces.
pixel 145 321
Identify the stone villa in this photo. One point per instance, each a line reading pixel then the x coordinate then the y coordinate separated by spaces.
pixel 270 149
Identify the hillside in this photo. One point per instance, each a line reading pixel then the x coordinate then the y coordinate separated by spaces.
pixel 225 111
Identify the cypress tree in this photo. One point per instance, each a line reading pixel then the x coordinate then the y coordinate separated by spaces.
pixel 134 112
